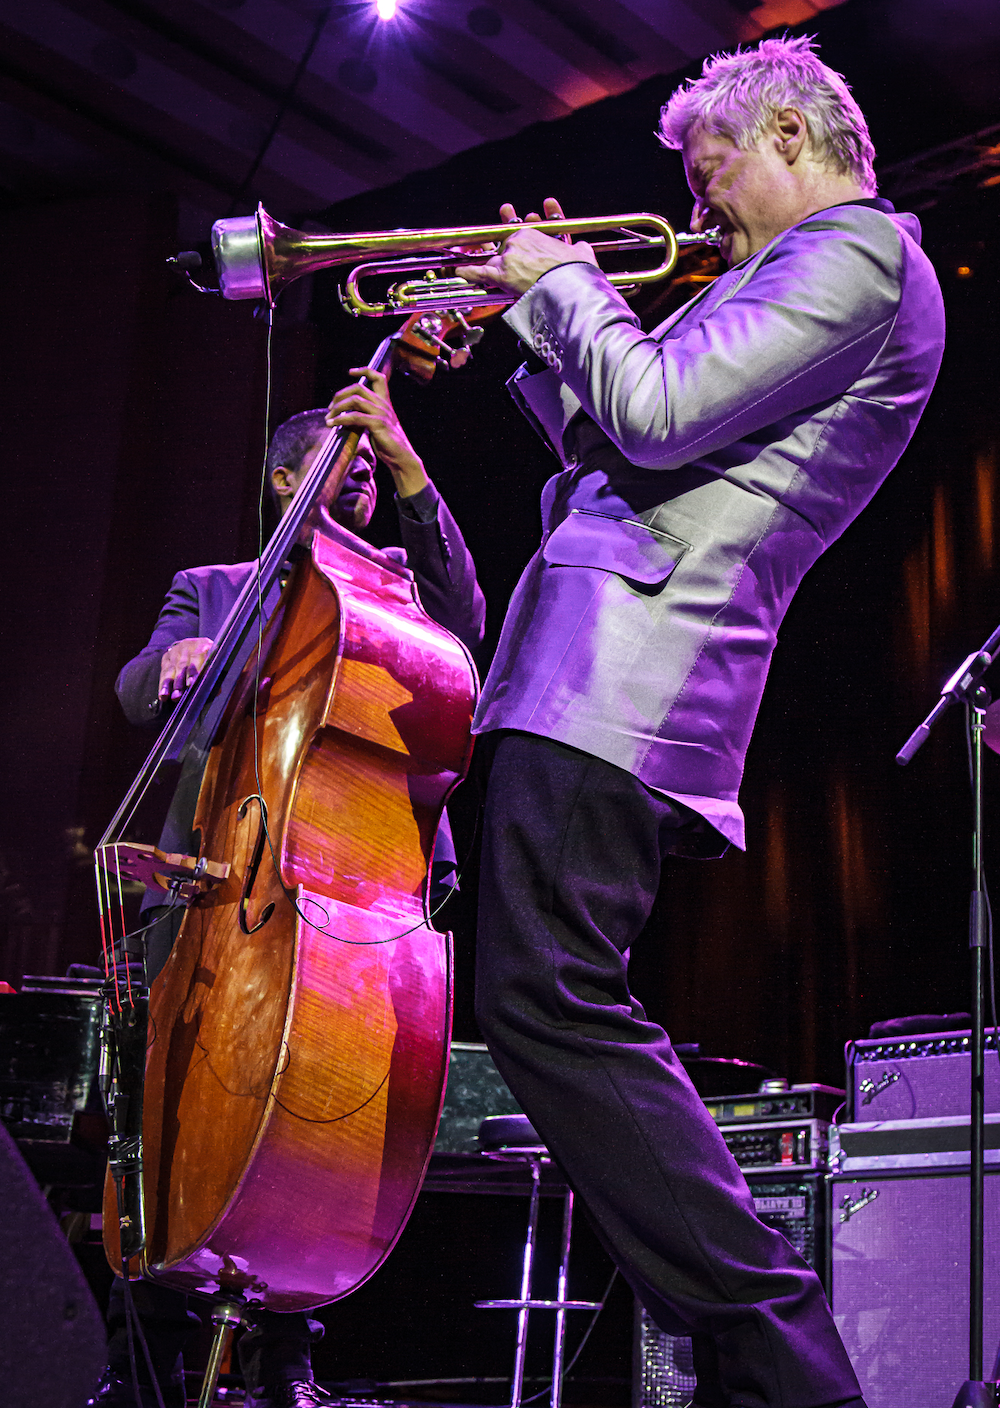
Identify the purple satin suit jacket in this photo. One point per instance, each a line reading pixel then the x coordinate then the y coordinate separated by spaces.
pixel 706 466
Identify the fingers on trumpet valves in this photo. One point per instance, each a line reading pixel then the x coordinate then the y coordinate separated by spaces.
pixel 554 211
pixel 486 249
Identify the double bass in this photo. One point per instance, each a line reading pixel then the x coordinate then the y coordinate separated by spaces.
pixel 291 1066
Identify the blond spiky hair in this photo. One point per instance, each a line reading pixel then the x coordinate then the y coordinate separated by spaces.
pixel 738 94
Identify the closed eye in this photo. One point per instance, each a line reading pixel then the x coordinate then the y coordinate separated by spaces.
pixel 699 177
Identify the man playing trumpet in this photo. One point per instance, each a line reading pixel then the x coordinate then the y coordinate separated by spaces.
pixel 705 468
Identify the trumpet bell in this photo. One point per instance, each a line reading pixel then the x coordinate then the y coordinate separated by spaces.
pixel 257 256
pixel 237 251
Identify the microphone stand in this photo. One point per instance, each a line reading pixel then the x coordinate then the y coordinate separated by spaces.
pixel 964 687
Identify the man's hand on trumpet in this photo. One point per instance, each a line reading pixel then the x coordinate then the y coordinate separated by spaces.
pixel 526 254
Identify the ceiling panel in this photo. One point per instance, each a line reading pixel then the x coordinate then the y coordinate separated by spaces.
pixel 302 104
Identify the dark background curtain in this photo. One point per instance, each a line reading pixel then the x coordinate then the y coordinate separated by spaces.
pixel 133 415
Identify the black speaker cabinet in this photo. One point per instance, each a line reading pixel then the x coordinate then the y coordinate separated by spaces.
pixel 52 1346
pixel 794 1203
pixel 899 1281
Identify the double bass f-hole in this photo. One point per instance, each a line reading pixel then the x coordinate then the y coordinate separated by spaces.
pixel 253 867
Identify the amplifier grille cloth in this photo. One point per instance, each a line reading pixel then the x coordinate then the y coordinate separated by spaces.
pixel 664 1370
pixel 663 1375
pixel 900 1285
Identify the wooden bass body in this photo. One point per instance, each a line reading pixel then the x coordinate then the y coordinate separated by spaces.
pixel 295 1073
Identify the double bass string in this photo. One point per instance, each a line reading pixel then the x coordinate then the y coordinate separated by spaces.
pixel 260 589
pixel 113 936
pixel 193 721
pixel 268 367
pixel 382 355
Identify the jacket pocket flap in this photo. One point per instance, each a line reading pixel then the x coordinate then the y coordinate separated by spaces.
pixel 618 545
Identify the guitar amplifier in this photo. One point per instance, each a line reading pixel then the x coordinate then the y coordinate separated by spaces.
pixel 916 1077
pixel 49 1052
pixel 779 1137
pixel 776 1100
pixel 662 1366
pixel 48 1057
pixel 795 1205
pixel 899 1272
pixel 899 1283
pixel 938 1143
pixel 777 1127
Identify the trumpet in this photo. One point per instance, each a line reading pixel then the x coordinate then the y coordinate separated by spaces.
pixel 256 257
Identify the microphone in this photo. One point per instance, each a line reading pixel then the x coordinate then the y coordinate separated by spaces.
pixel 186 261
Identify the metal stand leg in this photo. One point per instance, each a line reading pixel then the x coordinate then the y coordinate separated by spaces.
pixel 526 1302
pixel 226 1315
pixel 517 1382
pixel 964 687
pixel 559 1343
pixel 977 1392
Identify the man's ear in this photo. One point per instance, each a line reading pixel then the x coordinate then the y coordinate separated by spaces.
pixel 283 481
pixel 790 133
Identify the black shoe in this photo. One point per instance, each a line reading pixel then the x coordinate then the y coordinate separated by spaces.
pixel 113 1391
pixel 293 1393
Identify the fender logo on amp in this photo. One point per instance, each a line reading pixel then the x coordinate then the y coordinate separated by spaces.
pixel 870 1088
pixel 849 1206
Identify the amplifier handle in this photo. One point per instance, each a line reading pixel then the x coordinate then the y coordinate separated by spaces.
pixel 849 1053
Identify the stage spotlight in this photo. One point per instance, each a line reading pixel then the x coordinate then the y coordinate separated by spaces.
pixel 385 9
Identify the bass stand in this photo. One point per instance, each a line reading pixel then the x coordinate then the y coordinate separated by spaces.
pixel 964 687
pixel 227 1313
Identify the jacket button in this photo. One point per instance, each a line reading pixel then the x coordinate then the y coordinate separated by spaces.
pixel 537 341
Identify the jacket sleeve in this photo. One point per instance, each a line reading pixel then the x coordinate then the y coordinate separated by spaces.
pixel 437 556
pixel 138 682
pixel 799 330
